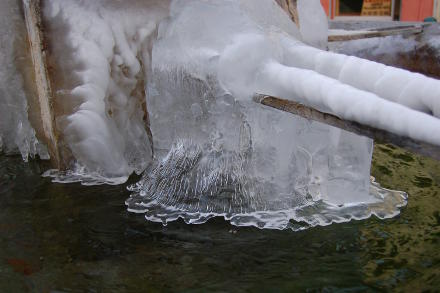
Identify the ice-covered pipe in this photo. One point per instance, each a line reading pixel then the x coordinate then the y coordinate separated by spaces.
pixel 348 102
pixel 410 89
pixel 263 72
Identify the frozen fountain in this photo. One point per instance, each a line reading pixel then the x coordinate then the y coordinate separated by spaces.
pixel 165 88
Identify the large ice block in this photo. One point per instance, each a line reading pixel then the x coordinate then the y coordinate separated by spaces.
pixel 219 153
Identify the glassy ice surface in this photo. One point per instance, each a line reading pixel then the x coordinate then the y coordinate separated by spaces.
pixel 219 154
pixel 251 171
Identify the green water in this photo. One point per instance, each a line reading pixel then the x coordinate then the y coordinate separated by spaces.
pixel 70 238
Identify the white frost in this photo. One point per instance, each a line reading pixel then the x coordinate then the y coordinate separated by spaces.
pixel 102 55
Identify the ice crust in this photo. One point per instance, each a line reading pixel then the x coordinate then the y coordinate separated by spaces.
pixel 16 133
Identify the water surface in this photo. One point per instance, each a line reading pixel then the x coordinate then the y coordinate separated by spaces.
pixel 72 238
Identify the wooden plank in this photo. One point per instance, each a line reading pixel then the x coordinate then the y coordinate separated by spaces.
pixel 378 135
pixel 32 13
pixel 384 32
pixel 141 94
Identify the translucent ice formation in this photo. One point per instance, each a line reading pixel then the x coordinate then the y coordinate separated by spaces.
pixel 219 154
pixel 16 133
pixel 313 23
pixel 167 86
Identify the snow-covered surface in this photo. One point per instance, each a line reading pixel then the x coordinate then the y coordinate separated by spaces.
pixel 343 32
pixel 435 43
pixel 376 46
pixel 368 24
pixel 390 45
pixel 432 37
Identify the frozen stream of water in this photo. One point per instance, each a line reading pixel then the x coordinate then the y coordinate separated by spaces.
pixel 164 89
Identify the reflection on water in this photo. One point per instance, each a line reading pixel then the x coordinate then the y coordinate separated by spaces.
pixel 64 238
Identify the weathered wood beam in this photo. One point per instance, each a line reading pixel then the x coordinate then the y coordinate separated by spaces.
pixel 141 93
pixel 378 135
pixel 384 32
pixel 32 13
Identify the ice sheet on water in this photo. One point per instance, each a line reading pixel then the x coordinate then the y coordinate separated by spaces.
pixel 80 174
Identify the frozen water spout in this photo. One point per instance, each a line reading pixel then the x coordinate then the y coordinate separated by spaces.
pixel 290 174
pixel 166 87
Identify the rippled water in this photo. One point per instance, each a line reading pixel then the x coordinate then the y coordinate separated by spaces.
pixel 72 238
